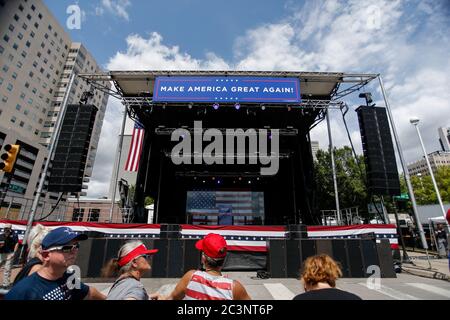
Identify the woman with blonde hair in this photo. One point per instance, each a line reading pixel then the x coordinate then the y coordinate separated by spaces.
pixel 34 258
pixel 130 265
pixel 319 275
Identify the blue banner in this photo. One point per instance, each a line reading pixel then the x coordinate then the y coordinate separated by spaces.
pixel 227 89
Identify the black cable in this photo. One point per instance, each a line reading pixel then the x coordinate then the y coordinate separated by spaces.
pixel 56 204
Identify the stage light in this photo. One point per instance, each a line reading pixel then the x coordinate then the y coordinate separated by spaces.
pixel 237 105
pixel 257 178
pixel 240 178
pixel 249 182
pixel 263 107
pixel 215 106
pixel 204 181
pixel 190 105
pixel 218 181
pixel 368 97
pixel 214 178
pixel 289 108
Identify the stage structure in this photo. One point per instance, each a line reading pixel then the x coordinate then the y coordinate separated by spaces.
pixel 200 193
pixel 230 152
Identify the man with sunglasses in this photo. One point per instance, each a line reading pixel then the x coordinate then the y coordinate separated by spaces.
pixel 59 250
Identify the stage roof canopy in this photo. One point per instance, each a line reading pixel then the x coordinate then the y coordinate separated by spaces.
pixel 312 84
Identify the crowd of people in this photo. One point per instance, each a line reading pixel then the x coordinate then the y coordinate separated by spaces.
pixel 46 275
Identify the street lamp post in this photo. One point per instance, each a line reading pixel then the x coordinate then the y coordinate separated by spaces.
pixel 415 122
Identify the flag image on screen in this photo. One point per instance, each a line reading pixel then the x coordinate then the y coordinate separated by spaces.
pixel 225 207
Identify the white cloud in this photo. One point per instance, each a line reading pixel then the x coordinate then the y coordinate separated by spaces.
pixel 406 41
pixel 151 54
pixel 116 7
pixel 106 150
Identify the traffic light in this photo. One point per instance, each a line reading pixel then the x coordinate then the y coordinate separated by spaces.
pixel 9 157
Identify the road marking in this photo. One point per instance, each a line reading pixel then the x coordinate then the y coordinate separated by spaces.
pixel 432 289
pixel 395 294
pixel 279 291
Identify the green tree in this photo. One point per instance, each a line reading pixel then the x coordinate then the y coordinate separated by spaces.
pixel 148 201
pixel 350 180
pixel 423 187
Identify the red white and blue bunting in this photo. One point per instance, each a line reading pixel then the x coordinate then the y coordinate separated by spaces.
pixel 239 238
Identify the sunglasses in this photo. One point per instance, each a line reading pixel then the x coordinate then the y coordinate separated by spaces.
pixel 66 249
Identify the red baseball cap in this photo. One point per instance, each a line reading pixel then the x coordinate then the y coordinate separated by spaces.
pixel 448 216
pixel 213 245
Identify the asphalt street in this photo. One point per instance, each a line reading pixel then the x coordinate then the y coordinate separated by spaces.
pixel 404 287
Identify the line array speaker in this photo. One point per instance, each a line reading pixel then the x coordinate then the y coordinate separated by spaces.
pixel 379 155
pixel 71 151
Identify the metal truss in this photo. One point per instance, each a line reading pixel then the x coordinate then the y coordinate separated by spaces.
pixel 282 132
pixel 138 104
pixel 95 80
pixel 359 79
pixel 192 155
pixel 221 174
pixel 356 87
pixel 117 75
pixel 306 103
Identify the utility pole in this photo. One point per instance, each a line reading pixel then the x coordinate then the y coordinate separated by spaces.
pixel 52 146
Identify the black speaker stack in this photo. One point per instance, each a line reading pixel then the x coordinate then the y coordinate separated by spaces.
pixel 355 256
pixel 378 149
pixel 72 148
pixel 174 258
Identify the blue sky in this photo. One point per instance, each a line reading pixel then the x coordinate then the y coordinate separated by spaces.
pixel 407 41
pixel 196 26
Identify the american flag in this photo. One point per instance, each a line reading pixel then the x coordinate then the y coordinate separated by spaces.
pixel 211 207
pixel 134 154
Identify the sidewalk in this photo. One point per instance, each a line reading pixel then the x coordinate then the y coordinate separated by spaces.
pixel 421 267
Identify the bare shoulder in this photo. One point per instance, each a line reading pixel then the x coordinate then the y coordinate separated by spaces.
pixel 189 274
pixel 239 291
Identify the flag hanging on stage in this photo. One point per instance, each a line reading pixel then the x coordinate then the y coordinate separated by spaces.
pixel 134 154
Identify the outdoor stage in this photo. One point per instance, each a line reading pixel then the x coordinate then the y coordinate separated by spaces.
pixel 230 152
pixel 184 192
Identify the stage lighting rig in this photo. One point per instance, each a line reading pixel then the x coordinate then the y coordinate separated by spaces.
pixel 368 97
pixel 86 96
